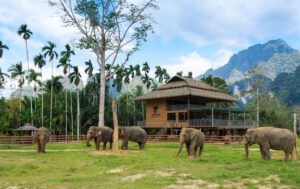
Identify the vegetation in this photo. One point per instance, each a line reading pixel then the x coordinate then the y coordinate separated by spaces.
pixel 75 166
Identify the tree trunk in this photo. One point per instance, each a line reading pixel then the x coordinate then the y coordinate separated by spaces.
pixel 66 110
pixel 102 95
pixel 78 115
pixel 31 110
pixel 247 150
pixel 27 55
pixel 42 98
pixel 71 111
pixel 51 100
pixel 257 108
pixel 116 129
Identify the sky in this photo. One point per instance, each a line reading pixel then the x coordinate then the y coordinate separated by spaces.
pixel 189 35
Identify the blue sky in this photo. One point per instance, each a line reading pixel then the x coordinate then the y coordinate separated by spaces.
pixel 189 35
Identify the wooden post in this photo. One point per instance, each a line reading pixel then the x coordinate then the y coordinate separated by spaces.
pixel 212 116
pixel 116 127
pixel 295 124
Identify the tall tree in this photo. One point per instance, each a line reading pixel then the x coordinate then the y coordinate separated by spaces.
pixel 75 78
pixel 32 76
pixel 109 28
pixel 25 33
pixel 40 62
pixel 89 68
pixel 216 82
pixel 52 54
pixel 64 62
pixel 256 80
pixel 17 72
pixel 2 47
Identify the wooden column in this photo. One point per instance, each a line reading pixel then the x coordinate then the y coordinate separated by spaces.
pixel 212 116
pixel 116 127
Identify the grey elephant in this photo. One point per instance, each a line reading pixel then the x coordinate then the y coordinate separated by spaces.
pixel 271 138
pixel 41 138
pixel 193 138
pixel 134 134
pixel 100 134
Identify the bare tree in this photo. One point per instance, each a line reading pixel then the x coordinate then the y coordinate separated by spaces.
pixel 112 29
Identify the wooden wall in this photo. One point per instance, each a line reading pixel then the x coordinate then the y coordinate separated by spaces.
pixel 156 111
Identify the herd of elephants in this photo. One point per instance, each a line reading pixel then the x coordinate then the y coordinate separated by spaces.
pixel 266 137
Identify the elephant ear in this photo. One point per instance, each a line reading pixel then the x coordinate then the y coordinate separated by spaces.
pixel 192 135
pixel 98 133
pixel 258 136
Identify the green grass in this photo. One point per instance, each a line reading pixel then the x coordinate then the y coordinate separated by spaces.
pixel 157 167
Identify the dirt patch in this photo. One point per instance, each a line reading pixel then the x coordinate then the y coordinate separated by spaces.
pixel 110 152
pixel 188 184
pixel 133 178
pixel 166 173
pixel 116 170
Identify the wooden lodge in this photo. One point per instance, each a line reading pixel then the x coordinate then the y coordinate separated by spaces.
pixel 184 102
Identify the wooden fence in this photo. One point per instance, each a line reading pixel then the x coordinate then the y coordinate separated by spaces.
pixel 27 140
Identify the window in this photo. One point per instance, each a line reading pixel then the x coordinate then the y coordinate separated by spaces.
pixel 182 116
pixel 171 116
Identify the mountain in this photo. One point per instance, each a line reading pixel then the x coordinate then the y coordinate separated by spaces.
pixel 275 57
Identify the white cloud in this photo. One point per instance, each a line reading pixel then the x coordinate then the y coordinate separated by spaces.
pixel 231 23
pixel 197 64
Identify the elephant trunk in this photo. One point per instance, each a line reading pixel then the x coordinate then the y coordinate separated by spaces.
pixel 42 143
pixel 180 147
pixel 247 150
pixel 88 138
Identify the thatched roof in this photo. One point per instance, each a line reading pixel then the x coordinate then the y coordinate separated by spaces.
pixel 27 127
pixel 180 86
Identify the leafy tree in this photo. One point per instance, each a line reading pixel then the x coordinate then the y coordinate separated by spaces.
pixel 40 62
pixel 256 80
pixel 75 78
pixel 89 69
pixel 25 33
pixel 18 73
pixel 111 29
pixel 33 77
pixel 216 82
pixel 64 62
pixel 52 54
pixel 2 47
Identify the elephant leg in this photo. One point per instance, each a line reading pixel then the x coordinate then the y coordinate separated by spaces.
pixel 286 156
pixel 192 149
pixel 187 145
pixel 123 145
pixel 142 145
pixel 97 143
pixel 126 145
pixel 39 146
pixel 110 145
pixel 267 152
pixel 104 146
pixel 200 151
pixel 43 148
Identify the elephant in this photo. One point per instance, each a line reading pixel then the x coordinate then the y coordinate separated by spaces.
pixel 100 134
pixel 41 138
pixel 271 138
pixel 193 138
pixel 134 134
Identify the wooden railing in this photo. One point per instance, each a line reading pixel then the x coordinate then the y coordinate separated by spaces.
pixel 28 140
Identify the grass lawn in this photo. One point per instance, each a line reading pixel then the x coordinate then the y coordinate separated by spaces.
pixel 74 166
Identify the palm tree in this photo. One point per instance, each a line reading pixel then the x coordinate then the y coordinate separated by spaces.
pixel 18 73
pixel 50 52
pixel 40 62
pixel 33 77
pixel 75 78
pixel 2 78
pixel 25 33
pixel 65 63
pixel 89 69
pixel 2 47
